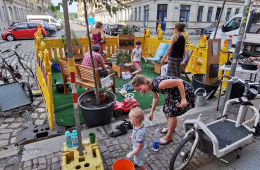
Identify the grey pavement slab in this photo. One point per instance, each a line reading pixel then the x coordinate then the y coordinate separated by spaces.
pixel 9 152
pixel 249 159
pixel 49 146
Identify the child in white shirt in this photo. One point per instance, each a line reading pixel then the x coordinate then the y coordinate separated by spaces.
pixel 137 53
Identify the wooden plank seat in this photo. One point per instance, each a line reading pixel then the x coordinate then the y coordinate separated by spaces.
pixel 84 76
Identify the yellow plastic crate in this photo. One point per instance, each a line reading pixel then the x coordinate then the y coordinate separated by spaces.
pixel 91 160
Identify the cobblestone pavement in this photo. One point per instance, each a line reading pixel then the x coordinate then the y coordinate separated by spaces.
pixel 15 120
pixel 111 149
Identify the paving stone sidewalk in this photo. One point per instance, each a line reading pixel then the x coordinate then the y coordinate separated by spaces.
pixel 113 149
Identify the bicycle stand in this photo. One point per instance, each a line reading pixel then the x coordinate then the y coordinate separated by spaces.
pixel 12 96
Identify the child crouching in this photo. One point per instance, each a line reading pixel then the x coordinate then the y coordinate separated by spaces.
pixel 136 117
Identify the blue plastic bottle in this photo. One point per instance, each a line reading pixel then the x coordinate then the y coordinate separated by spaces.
pixel 156 140
pixel 68 139
pixel 74 139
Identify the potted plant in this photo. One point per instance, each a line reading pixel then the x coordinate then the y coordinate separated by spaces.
pixel 55 64
pixel 122 57
pixel 125 38
pixel 76 47
pixel 102 93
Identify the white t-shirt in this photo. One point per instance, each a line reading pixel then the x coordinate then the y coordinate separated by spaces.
pixel 137 54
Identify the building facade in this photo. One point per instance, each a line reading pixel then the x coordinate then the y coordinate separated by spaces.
pixel 195 13
pixel 81 11
pixel 17 10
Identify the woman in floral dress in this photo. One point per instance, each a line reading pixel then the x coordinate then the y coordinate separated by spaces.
pixel 178 100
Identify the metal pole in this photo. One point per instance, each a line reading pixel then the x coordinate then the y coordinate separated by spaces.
pixel 219 18
pixel 239 46
pixel 90 51
pixel 72 75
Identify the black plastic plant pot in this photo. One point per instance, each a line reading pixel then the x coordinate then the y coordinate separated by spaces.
pixel 197 82
pixel 98 116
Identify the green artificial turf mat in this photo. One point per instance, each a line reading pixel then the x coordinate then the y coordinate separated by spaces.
pixel 63 105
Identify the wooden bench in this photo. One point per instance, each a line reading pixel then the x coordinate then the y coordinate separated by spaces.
pixel 84 76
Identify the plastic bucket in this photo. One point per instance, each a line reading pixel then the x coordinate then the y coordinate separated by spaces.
pixel 123 164
pixel 198 82
pixel 99 116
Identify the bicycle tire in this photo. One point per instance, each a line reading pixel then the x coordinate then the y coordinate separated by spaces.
pixel 179 148
pixel 27 69
pixel 3 78
pixel 28 92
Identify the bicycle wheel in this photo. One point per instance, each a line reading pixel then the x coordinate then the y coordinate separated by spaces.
pixel 27 89
pixel 26 68
pixel 182 154
pixel 6 76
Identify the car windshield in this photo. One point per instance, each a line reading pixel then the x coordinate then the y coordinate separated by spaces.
pixel 118 26
pixel 215 24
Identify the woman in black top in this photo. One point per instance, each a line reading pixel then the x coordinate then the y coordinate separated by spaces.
pixel 175 51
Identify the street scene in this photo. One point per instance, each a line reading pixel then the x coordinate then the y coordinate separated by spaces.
pixel 174 96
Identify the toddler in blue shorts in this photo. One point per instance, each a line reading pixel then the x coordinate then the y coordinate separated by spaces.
pixel 136 117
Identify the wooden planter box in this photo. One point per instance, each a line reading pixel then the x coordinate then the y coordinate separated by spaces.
pixel 77 51
pixel 119 70
pixel 157 68
pixel 125 38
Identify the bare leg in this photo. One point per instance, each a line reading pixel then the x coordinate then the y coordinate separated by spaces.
pixel 172 123
pixel 167 120
pixel 143 167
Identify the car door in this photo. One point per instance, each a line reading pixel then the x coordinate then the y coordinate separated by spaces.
pixel 231 28
pixel 32 29
pixel 21 31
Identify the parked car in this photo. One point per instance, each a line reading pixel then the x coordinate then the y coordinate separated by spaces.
pixel 49 29
pixel 113 29
pixel 211 28
pixel 91 26
pixel 104 27
pixel 47 18
pixel 14 24
pixel 22 31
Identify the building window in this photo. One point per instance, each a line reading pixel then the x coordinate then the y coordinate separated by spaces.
pixel 132 12
pixel 217 13
pixel 200 11
pixel 146 15
pixel 209 13
pixel 1 17
pixel 135 13
pixel 139 13
pixel 237 11
pixel 184 13
pixel 228 14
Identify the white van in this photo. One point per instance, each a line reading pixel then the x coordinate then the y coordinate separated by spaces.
pixel 47 18
pixel 229 30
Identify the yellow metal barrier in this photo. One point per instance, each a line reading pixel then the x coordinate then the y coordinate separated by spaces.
pixel 44 77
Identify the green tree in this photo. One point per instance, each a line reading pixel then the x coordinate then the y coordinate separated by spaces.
pixel 73 15
pixel 59 15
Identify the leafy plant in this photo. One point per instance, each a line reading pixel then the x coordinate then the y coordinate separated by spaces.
pixel 127 30
pixel 63 39
pixel 102 90
pixel 75 38
pixel 122 57
pixel 54 60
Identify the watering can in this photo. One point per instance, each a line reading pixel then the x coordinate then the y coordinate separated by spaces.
pixel 200 97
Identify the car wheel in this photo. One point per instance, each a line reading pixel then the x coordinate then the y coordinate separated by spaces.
pixel 10 37
pixel 48 34
pixel 118 113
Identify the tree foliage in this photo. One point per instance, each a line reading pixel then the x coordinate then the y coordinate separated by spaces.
pixel 107 4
